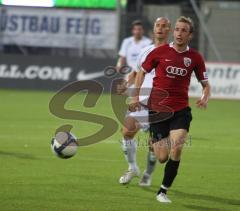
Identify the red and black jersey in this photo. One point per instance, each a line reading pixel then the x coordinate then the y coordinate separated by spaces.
pixel 173 72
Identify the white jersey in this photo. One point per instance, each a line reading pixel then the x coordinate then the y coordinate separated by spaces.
pixel 130 49
pixel 148 80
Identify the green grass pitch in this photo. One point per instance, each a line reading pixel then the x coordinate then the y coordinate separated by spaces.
pixel 32 178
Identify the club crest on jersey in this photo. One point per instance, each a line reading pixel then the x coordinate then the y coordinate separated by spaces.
pixel 187 61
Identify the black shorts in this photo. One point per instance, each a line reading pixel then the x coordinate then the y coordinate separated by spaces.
pixel 179 120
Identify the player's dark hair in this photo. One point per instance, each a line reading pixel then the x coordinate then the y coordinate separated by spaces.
pixel 137 23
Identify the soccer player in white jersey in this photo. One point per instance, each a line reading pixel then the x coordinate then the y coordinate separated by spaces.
pixel 130 49
pixel 139 119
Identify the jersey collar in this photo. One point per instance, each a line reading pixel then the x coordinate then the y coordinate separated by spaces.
pixel 171 46
pixel 142 39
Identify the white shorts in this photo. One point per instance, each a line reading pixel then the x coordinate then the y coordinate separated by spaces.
pixel 141 116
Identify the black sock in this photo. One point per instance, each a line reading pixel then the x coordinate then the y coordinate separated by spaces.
pixel 170 173
pixel 162 190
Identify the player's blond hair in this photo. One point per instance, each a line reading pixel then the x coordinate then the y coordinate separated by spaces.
pixel 187 20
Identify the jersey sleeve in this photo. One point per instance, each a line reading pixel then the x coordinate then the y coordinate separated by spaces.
pixel 123 49
pixel 200 69
pixel 141 58
pixel 150 61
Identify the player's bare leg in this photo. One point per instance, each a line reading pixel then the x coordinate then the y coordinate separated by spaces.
pixel 129 147
pixel 145 180
pixel 157 151
pixel 177 138
pixel 161 149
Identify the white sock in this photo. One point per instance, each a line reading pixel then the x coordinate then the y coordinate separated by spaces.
pixel 151 163
pixel 162 186
pixel 129 148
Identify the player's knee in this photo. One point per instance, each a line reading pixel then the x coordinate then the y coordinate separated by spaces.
pixel 162 159
pixel 129 130
pixel 177 144
pixel 161 151
pixel 176 153
pixel 128 134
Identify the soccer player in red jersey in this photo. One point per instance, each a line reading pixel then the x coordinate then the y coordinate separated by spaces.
pixel 170 114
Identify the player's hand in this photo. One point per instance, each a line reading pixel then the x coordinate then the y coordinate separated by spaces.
pixel 202 103
pixel 121 88
pixel 134 105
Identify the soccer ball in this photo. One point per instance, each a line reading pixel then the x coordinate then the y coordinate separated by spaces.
pixel 64 145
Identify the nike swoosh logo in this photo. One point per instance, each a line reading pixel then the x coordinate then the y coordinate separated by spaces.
pixel 82 76
pixel 168 60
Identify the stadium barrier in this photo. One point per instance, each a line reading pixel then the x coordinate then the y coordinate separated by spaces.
pixel 52 73
pixel 224 79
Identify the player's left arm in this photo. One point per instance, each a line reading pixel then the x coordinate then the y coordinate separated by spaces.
pixel 201 74
pixel 122 88
pixel 206 92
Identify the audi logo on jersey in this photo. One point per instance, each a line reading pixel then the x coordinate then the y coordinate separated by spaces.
pixel 176 71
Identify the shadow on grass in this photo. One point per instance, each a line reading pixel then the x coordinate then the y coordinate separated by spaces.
pixel 152 189
pixel 18 155
pixel 207 198
pixel 201 208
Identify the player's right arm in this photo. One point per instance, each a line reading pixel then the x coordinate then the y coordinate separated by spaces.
pixel 146 66
pixel 122 87
pixel 120 62
pixel 135 104
pixel 122 55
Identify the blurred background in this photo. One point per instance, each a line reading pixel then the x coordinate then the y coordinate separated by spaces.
pixel 46 44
